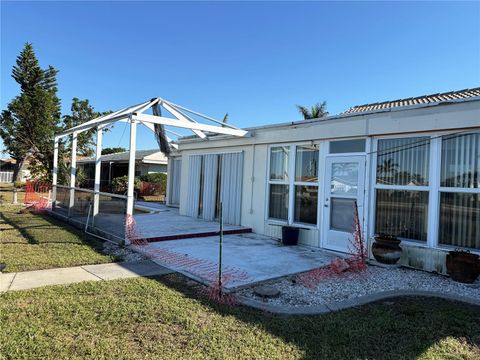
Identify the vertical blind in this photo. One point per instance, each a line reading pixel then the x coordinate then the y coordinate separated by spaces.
pixel 231 187
pixel 403 161
pixel 175 178
pixel 460 161
pixel 209 186
pixel 194 167
pixel 460 211
pixel 460 219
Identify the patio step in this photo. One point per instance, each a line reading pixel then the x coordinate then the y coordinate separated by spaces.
pixel 198 235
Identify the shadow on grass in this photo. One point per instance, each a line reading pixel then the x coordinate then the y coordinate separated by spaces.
pixel 50 223
pixel 401 328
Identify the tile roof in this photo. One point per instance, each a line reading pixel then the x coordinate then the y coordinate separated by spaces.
pixel 425 99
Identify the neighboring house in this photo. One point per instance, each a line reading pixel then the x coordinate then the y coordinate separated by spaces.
pixel 411 165
pixel 115 165
pixel 7 167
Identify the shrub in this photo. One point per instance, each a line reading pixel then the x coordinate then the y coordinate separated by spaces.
pixel 120 184
pixel 154 178
pixel 19 184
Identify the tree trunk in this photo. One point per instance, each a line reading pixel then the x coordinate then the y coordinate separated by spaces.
pixel 17 174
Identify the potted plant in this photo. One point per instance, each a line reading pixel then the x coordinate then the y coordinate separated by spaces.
pixel 463 266
pixel 386 248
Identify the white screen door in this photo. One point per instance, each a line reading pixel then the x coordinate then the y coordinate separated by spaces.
pixel 345 183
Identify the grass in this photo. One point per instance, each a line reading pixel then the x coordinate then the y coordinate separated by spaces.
pixel 166 318
pixel 32 242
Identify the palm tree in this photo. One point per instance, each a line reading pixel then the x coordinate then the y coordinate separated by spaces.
pixel 317 111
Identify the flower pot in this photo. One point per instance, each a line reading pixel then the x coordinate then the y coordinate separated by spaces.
pixel 463 266
pixel 290 235
pixel 386 249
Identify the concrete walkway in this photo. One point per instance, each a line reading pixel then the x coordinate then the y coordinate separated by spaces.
pixel 61 276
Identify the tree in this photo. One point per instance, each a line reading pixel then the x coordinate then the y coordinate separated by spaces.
pixel 113 150
pixel 28 125
pixel 317 111
pixel 82 112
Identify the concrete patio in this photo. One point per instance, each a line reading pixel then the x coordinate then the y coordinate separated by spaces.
pixel 154 222
pixel 247 258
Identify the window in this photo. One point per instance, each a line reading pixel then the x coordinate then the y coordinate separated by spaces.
pixel 347 146
pixel 459 223
pixel 306 185
pixel 279 163
pixel 301 189
pixel 402 190
pixel 306 164
pixel 402 213
pixel 278 203
pixel 278 183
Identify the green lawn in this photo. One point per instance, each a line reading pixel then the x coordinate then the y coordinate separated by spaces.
pixel 31 242
pixel 166 319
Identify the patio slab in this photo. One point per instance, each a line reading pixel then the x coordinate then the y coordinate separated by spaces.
pixel 247 258
pixel 163 223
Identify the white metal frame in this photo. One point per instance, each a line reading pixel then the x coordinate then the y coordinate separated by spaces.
pixel 291 183
pixel 433 188
pixel 135 115
pixel 323 154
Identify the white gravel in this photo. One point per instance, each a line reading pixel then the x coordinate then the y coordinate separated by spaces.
pixel 374 280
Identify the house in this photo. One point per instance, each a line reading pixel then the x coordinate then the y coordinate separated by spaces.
pixel 116 165
pixel 411 166
pixel 7 167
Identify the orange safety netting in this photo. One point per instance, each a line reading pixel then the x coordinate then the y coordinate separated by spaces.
pixel 38 194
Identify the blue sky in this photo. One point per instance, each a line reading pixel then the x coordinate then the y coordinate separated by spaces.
pixel 254 60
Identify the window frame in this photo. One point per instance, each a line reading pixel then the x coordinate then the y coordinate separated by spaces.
pixel 375 187
pixel 291 183
pixel 433 188
pixel 444 189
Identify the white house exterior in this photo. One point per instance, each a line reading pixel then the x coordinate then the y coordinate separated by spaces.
pixel 411 165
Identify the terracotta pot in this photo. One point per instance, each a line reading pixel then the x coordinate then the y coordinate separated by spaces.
pixel 386 249
pixel 463 266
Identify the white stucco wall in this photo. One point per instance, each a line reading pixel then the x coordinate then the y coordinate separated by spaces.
pixel 255 147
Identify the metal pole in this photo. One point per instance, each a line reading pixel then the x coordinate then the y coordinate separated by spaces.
pixel 131 171
pixel 55 173
pixel 73 173
pixel 98 170
pixel 220 213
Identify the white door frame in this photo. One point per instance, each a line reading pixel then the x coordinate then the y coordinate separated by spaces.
pixel 330 237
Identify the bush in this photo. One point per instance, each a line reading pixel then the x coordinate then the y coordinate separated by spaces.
pixel 19 184
pixel 120 184
pixel 154 178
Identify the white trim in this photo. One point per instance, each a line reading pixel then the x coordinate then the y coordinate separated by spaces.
pixel 434 188
pixel 98 169
pixel 131 168
pixel 73 172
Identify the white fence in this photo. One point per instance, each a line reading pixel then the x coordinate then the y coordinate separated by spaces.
pixel 6 176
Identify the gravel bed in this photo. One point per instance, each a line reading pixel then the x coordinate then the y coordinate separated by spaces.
pixel 375 279
pixel 122 252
